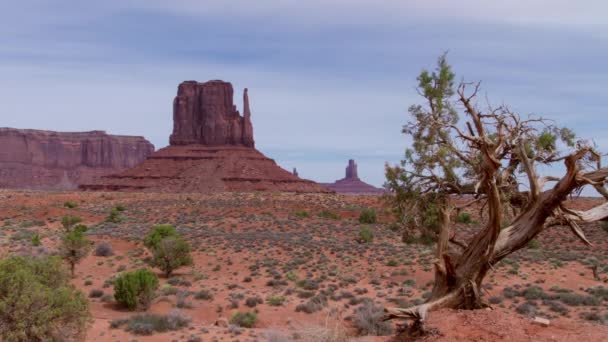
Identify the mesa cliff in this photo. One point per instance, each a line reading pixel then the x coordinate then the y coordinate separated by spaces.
pixel 37 159
pixel 211 149
pixel 351 184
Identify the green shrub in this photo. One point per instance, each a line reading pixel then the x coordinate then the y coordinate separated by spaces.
pixel 302 214
pixel 329 215
pixel 74 247
pixel 114 216
pixel 135 289
pixel 36 240
pixel 367 216
pixel 275 300
pixel 69 221
pixel 147 324
pixel 158 233
pixel 70 205
pixel 366 235
pixel 244 319
pixel 534 244
pixel 170 254
pixel 464 218
pixel 369 320
pixel 37 302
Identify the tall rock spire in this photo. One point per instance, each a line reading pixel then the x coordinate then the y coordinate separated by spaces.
pixel 247 126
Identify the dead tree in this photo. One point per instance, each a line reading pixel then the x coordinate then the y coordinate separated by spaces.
pixel 486 158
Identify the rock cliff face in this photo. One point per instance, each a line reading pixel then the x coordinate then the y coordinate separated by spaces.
pixel 37 159
pixel 351 184
pixel 204 113
pixel 211 150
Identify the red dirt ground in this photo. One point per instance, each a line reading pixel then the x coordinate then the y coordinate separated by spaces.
pixel 267 237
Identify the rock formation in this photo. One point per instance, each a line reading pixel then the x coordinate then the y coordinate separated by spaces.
pixel 204 113
pixel 36 159
pixel 211 150
pixel 351 184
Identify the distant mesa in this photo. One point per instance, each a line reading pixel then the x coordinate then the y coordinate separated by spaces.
pixel 351 184
pixel 48 160
pixel 211 150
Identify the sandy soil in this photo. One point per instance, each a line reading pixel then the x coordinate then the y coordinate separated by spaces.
pixel 258 245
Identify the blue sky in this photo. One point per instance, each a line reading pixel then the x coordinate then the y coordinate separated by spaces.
pixel 329 80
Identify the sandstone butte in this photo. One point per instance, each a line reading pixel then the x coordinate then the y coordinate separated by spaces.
pixel 47 160
pixel 211 150
pixel 351 184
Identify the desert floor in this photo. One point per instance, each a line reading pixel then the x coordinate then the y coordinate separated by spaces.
pixel 252 250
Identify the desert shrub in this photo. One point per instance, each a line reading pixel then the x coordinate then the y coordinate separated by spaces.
pixel 314 304
pixel 527 309
pixel 181 299
pixel 36 240
pixel 275 300
pixel 329 215
pixel 74 247
pixel 104 249
pixel 244 319
pixel 37 302
pixel 510 293
pixel 464 217
pixel 302 214
pixel 368 216
pixel 599 292
pixel 147 324
pixel 368 320
pixel 534 244
pixel 308 284
pixel 120 208
pixel 203 295
pixel 96 293
pixel 70 205
pixel 392 263
pixel 496 300
pixel 556 307
pixel 365 235
pixel 135 289
pixel 534 292
pixel 158 233
pixel 170 254
pixel 575 299
pixel 253 301
pixel 69 221
pixel 114 216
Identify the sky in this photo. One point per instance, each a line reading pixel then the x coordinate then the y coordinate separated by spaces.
pixel 329 80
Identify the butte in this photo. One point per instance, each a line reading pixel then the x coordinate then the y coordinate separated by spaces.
pixel 351 184
pixel 211 150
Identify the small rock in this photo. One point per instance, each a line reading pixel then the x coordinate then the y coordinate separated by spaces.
pixel 541 321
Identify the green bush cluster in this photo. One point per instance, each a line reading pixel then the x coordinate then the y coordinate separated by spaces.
pixel 37 302
pixel 366 235
pixel 169 250
pixel 464 217
pixel 368 216
pixel 244 319
pixel 135 290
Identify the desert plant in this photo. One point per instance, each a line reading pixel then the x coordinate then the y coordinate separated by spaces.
pixel 70 205
pixel 158 233
pixel 36 240
pixel 170 254
pixel 135 289
pixel 37 302
pixel 327 214
pixel 464 217
pixel 69 221
pixel 368 320
pixel 485 158
pixel 74 247
pixel 114 216
pixel 368 216
pixel 275 300
pixel 104 249
pixel 366 235
pixel 244 319
pixel 147 324
pixel 302 214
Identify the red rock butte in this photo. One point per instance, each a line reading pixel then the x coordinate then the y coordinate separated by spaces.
pixel 211 150
pixel 351 184
pixel 46 160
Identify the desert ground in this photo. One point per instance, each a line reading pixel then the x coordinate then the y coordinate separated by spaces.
pixel 295 261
